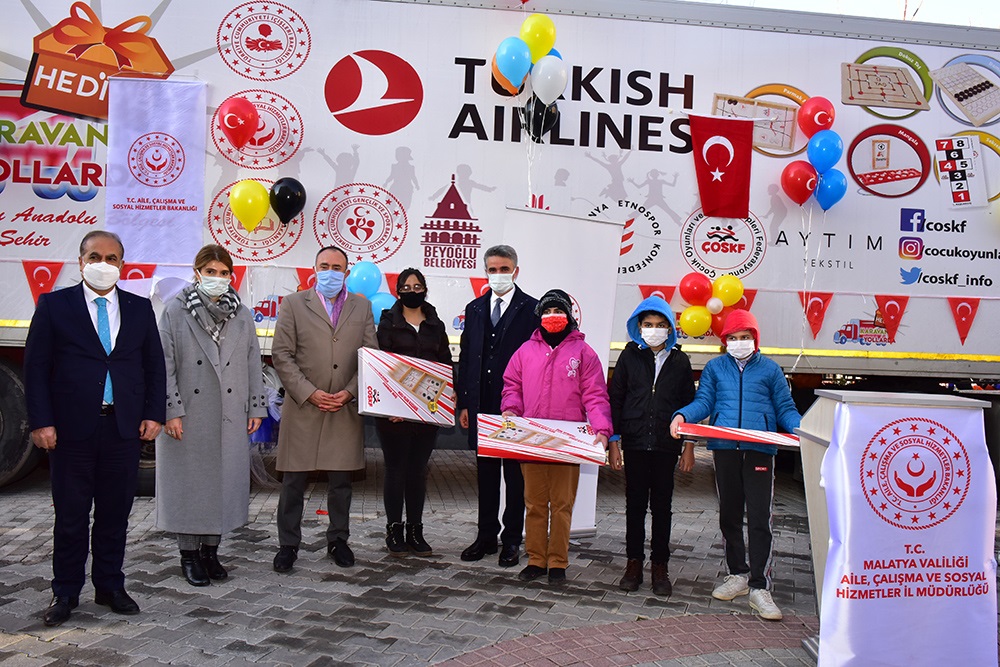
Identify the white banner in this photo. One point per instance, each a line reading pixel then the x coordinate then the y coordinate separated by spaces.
pixel 910 578
pixel 156 168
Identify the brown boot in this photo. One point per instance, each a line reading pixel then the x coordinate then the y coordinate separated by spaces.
pixel 661 580
pixel 633 575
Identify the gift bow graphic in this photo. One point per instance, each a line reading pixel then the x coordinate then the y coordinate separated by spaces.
pixel 83 30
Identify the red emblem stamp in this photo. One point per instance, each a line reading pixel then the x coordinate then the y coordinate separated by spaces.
pixel 915 473
pixel 278 136
pixel 365 220
pixel 263 41
pixel 156 159
pixel 269 240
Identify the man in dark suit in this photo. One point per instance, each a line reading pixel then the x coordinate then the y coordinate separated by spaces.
pixel 95 385
pixel 496 324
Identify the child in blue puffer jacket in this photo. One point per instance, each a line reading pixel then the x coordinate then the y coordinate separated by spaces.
pixel 744 389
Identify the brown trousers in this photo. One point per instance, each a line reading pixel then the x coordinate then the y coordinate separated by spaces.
pixel 549 494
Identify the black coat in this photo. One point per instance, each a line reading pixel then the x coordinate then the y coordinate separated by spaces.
pixel 640 413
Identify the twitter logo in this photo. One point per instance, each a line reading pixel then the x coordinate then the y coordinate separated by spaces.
pixel 909 276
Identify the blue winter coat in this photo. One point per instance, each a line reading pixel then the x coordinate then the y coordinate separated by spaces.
pixel 758 398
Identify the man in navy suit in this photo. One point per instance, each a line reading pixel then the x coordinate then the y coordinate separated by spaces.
pixel 95 384
pixel 496 324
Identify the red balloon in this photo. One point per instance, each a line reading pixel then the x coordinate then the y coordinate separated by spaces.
pixel 816 114
pixel 798 180
pixel 238 120
pixel 696 288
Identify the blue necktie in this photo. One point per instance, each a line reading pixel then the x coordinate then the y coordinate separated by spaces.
pixel 104 333
pixel 495 317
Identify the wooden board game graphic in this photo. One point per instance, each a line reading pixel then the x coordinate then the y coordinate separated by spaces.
pixel 545 440
pixel 773 123
pixel 424 385
pixel 880 86
pixel 976 96
pixel 395 385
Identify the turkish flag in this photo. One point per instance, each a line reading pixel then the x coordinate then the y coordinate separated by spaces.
pixel 390 280
pixel 722 151
pixel 41 276
pixel 964 311
pixel 815 304
pixel 665 292
pixel 480 286
pixel 307 278
pixel 238 273
pixel 891 308
pixel 137 271
pixel 746 301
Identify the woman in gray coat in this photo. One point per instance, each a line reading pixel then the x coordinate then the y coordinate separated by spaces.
pixel 215 399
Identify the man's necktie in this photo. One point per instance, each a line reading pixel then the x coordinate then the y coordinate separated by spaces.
pixel 495 317
pixel 104 333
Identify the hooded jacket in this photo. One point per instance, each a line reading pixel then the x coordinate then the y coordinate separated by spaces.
pixel 641 409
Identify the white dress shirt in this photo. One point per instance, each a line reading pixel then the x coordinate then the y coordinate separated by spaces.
pixel 114 316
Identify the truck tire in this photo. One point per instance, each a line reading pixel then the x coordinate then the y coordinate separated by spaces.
pixel 18 456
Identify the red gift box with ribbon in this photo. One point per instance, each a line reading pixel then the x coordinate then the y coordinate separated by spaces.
pixel 74 59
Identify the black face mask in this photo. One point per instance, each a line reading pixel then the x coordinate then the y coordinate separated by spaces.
pixel 413 299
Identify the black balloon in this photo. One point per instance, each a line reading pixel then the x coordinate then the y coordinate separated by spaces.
pixel 537 118
pixel 288 198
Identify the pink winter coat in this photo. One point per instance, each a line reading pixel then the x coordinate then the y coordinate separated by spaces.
pixel 565 383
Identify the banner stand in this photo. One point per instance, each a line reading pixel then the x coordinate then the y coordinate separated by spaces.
pixel 831 412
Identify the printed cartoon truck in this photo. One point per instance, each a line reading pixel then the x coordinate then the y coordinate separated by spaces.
pixel 864 332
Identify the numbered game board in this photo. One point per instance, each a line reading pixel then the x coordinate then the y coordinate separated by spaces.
pixel 880 86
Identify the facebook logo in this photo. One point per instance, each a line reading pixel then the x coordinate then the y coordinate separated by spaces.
pixel 911 219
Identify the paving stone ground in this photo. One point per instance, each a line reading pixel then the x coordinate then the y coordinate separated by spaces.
pixel 409 611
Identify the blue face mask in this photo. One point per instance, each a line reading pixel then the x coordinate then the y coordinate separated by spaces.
pixel 329 283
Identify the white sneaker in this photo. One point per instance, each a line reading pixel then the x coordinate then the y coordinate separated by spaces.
pixel 761 602
pixel 733 586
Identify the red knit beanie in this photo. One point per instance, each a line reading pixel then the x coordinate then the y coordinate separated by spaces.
pixel 741 320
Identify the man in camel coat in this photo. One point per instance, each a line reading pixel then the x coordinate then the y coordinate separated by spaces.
pixel 315 352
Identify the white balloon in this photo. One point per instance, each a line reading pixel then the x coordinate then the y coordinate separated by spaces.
pixel 548 79
pixel 714 305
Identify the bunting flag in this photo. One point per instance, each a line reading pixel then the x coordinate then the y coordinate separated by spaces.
pixel 964 310
pixel 390 281
pixel 131 271
pixel 815 304
pixel 238 273
pixel 41 276
pixel 307 278
pixel 479 285
pixel 891 308
pixel 746 301
pixel 722 151
pixel 665 292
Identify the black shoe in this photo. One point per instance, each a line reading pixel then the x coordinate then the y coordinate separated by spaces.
pixel 557 575
pixel 210 561
pixel 340 553
pixel 661 580
pixel 531 573
pixel 481 547
pixel 119 601
pixel 285 558
pixel 633 575
pixel 415 539
pixel 394 540
pixel 509 555
pixel 59 609
pixel 193 570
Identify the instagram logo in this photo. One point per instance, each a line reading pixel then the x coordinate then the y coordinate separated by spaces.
pixel 911 247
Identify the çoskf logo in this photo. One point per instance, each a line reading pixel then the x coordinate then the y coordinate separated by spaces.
pixel 263 41
pixel 373 396
pixel 373 92
pixel 156 159
pixel 915 473
pixel 714 246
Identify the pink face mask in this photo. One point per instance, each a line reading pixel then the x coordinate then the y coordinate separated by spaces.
pixel 554 322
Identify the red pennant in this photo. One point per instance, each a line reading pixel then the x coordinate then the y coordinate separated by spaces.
pixel 891 308
pixel 137 271
pixel 307 278
pixel 479 285
pixel 815 304
pixel 665 292
pixel 238 273
pixel 41 276
pixel 964 311
pixel 722 151
pixel 746 301
pixel 390 281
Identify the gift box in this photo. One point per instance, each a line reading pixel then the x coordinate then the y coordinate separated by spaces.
pixel 543 440
pixel 782 440
pixel 74 59
pixel 394 385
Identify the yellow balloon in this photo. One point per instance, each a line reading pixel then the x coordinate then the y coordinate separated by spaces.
pixel 728 289
pixel 696 320
pixel 539 33
pixel 249 202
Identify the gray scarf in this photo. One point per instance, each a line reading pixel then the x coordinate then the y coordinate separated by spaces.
pixel 211 315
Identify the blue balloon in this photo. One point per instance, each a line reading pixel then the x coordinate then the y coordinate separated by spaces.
pixel 831 188
pixel 514 59
pixel 381 301
pixel 555 53
pixel 365 279
pixel 824 150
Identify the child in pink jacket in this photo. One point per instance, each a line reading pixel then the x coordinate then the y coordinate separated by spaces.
pixel 554 375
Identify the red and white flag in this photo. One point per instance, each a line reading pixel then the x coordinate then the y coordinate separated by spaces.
pixel 964 310
pixel 892 309
pixel 722 151
pixel 41 276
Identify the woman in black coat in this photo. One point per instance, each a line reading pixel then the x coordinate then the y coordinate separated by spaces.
pixel 412 328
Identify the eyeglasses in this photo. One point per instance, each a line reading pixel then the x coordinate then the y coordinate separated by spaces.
pixel 416 289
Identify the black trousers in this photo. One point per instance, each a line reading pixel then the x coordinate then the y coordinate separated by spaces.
pixel 100 471
pixel 745 482
pixel 406 448
pixel 488 476
pixel 292 500
pixel 649 482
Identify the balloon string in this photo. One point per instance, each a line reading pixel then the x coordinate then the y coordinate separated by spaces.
pixel 806 236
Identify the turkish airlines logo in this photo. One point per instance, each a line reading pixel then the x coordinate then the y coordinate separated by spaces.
pixel 373 92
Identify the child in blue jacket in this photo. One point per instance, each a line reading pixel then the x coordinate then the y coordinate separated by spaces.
pixel 744 389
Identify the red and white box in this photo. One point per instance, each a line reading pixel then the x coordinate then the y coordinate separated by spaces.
pixel 394 385
pixel 782 440
pixel 543 440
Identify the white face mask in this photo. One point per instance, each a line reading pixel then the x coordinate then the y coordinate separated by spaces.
pixel 501 283
pixel 655 337
pixel 101 275
pixel 740 349
pixel 213 286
